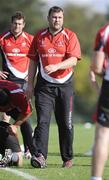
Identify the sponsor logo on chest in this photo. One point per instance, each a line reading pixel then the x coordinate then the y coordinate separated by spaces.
pixel 15 50
pixel 51 50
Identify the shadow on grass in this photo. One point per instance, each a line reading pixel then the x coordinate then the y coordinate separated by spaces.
pixel 75 155
pixel 60 165
pixel 81 155
pixel 53 154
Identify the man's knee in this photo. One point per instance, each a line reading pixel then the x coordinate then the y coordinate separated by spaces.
pixel 17 159
pixel 5 117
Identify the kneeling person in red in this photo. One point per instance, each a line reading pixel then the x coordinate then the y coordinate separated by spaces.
pixel 14 103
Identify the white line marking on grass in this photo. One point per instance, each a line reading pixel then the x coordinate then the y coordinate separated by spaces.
pixel 20 173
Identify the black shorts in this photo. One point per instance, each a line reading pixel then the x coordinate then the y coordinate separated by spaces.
pixel 103 105
pixel 22 83
pixel 7 141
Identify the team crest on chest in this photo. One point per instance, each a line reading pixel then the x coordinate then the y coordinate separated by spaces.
pixel 8 44
pixel 23 44
pixel 59 43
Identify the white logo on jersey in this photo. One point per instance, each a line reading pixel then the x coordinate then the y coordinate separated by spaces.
pixel 102 117
pixel 59 43
pixel 51 50
pixel 23 44
pixel 70 120
pixel 16 50
pixel 8 44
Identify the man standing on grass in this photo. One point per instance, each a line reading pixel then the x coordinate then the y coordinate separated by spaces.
pixel 101 144
pixel 57 51
pixel 14 46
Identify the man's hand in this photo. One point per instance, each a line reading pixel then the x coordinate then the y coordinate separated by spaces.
pixel 26 78
pixel 4 74
pixel 29 92
pixel 12 129
pixel 51 68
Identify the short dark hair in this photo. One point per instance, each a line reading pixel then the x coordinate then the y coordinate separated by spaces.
pixel 54 9
pixel 4 97
pixel 18 15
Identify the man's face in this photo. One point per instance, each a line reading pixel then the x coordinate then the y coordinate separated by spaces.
pixel 56 21
pixel 17 26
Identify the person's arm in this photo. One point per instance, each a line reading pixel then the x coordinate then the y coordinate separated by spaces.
pixel 24 109
pixel 68 63
pixel 93 81
pixel 31 76
pixel 21 119
pixel 3 74
pixel 97 62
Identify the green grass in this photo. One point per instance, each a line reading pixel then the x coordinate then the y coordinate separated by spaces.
pixel 82 165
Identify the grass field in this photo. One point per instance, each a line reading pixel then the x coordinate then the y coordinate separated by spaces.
pixel 80 171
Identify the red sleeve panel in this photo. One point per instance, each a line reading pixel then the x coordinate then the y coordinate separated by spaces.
pixel 73 45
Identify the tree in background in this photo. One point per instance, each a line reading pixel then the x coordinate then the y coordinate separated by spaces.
pixel 85 23
pixel 31 9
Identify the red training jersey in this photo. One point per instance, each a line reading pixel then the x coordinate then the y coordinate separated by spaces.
pixel 51 49
pixel 18 98
pixel 15 53
pixel 102 44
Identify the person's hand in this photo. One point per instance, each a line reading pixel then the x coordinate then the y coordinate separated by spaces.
pixel 26 78
pixel 51 68
pixel 12 129
pixel 94 83
pixel 3 75
pixel 29 92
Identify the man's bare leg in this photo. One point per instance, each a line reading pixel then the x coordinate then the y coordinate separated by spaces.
pixel 100 150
